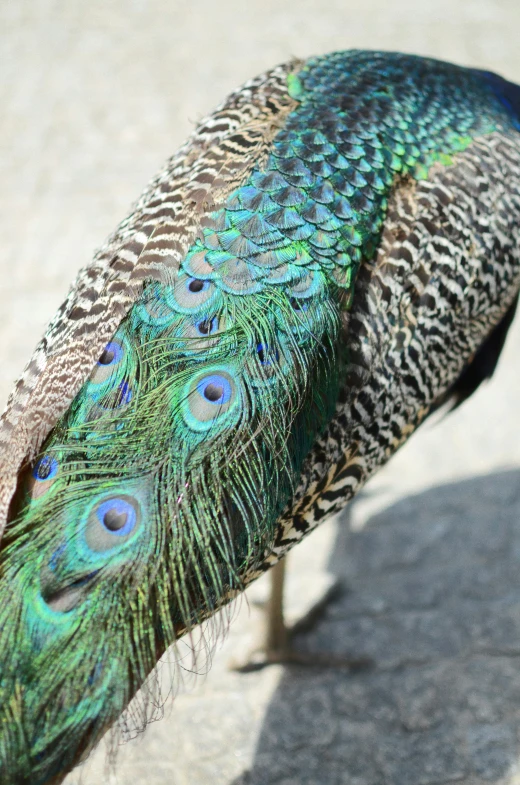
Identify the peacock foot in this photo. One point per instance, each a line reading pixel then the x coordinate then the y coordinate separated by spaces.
pixel 277 644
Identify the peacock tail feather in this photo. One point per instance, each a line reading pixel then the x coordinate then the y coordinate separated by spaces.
pixel 158 438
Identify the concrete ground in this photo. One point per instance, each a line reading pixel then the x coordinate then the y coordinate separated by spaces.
pixel 94 97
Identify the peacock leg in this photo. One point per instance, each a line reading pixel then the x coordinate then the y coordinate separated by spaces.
pixel 277 636
pixel 276 646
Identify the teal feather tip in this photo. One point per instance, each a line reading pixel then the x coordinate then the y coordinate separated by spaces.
pixel 158 494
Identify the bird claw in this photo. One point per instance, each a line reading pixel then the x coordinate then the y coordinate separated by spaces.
pixel 261 658
pixel 277 648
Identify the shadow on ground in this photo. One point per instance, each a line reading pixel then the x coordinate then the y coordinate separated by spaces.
pixel 430 589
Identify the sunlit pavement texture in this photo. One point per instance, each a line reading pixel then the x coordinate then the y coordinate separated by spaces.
pixel 94 97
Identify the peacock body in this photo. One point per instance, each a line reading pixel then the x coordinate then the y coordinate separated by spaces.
pixel 320 265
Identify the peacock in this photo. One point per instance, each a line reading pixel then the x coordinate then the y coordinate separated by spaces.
pixel 331 256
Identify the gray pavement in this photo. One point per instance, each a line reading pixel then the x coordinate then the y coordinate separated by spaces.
pixel 94 97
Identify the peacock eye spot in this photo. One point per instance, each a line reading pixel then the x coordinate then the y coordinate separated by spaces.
pixel 45 469
pixel 195 285
pixel 111 354
pixel 107 357
pixel 213 392
pixel 210 397
pixel 124 394
pixel 117 516
pixel 114 520
pixel 207 326
pixel 266 354
pixel 216 389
